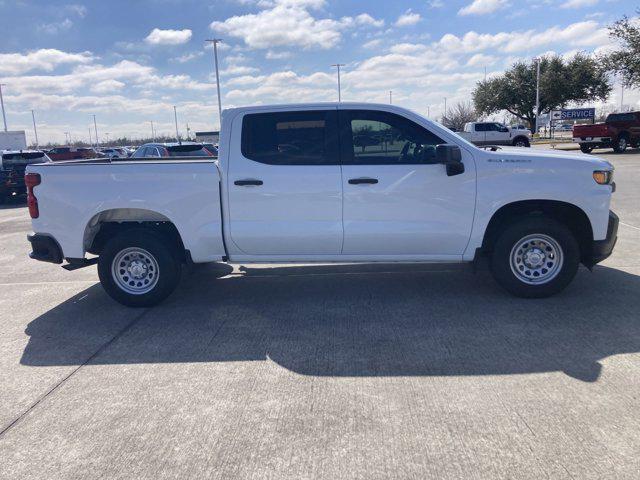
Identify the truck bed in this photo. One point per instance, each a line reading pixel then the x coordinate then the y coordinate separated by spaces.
pixel 73 196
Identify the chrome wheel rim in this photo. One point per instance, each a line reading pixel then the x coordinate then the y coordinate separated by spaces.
pixel 622 143
pixel 135 270
pixel 536 259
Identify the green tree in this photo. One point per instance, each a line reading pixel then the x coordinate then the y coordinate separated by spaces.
pixel 626 61
pixel 579 79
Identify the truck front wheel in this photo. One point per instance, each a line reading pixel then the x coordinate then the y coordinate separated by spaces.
pixel 535 257
pixel 138 268
pixel 521 142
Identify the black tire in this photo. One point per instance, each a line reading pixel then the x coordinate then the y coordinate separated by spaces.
pixel 513 235
pixel 163 254
pixel 621 144
pixel 586 149
pixel 521 142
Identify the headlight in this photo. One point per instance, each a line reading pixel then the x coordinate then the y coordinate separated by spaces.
pixel 603 177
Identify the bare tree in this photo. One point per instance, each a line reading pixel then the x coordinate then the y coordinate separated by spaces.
pixel 461 113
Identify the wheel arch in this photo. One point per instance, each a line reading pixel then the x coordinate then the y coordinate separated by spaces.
pixel 566 213
pixel 520 137
pixel 108 223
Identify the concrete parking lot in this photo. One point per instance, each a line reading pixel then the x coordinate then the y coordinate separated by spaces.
pixel 322 372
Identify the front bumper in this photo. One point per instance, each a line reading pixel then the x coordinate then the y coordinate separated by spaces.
pixel 601 249
pixel 44 248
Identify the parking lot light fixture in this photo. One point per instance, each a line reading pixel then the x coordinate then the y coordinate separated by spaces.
pixel 338 65
pixel 535 127
pixel 35 129
pixel 215 42
pixel 4 117
pixel 175 117
pixel 95 127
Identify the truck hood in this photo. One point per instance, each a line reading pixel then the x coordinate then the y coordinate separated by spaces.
pixel 530 155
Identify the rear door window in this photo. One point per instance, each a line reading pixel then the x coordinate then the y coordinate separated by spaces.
pixel 291 138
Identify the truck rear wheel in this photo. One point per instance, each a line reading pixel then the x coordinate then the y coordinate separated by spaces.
pixel 586 148
pixel 521 142
pixel 621 144
pixel 535 258
pixel 138 268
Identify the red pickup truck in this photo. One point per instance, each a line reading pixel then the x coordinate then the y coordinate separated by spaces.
pixel 619 131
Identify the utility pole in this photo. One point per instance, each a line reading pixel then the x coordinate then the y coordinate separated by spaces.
pixel 428 111
pixel 338 65
pixel 35 129
pixel 4 117
pixel 535 128
pixel 90 139
pixel 175 117
pixel 445 108
pixel 390 97
pixel 106 134
pixel 621 99
pixel 95 127
pixel 153 133
pixel 215 42
pixel 67 137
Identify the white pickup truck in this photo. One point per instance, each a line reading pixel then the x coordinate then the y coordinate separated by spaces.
pixel 346 182
pixel 493 133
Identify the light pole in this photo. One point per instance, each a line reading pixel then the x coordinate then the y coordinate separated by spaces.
pixel 445 108
pixel 153 134
pixel 621 98
pixel 95 127
pixel 215 42
pixel 338 65
pixel 67 137
pixel 428 111
pixel 106 134
pixel 390 97
pixel 35 129
pixel 90 139
pixel 4 117
pixel 535 128
pixel 175 117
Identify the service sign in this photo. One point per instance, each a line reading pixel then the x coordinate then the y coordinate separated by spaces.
pixel 573 114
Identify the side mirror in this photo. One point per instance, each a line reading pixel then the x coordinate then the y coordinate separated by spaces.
pixel 451 157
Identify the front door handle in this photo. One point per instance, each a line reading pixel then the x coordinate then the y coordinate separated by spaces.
pixel 363 181
pixel 245 183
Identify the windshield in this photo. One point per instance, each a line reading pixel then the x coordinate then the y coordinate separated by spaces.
pixel 620 117
pixel 23 158
pixel 188 151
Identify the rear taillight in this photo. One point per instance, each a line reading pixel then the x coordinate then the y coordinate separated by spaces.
pixel 31 180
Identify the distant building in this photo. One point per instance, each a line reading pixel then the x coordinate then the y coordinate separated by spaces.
pixel 207 137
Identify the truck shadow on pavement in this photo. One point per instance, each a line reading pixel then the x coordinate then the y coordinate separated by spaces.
pixel 352 321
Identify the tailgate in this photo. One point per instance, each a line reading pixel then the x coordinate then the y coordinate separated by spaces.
pixel 597 130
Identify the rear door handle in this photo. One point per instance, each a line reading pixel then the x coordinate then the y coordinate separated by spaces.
pixel 363 181
pixel 244 183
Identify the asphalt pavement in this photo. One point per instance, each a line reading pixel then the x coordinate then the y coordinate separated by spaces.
pixel 327 372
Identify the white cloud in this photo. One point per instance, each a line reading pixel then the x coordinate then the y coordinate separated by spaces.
pixel 481 60
pixel 483 7
pixel 435 4
pixel 76 9
pixel 44 59
pixel 238 70
pixel 366 19
pixel 375 43
pixel 55 27
pixel 408 18
pixel 289 23
pixel 579 3
pixel 187 57
pixel 168 37
pixel 107 86
pixel 271 55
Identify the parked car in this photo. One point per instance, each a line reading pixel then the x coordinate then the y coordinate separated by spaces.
pixel 286 190
pixel 114 152
pixel 565 127
pixel 74 153
pixel 166 150
pixel 493 133
pixel 12 170
pixel 619 131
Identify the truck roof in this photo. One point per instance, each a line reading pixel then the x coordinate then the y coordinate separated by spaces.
pixel 310 106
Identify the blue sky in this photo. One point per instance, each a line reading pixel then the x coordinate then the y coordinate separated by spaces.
pixel 129 62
